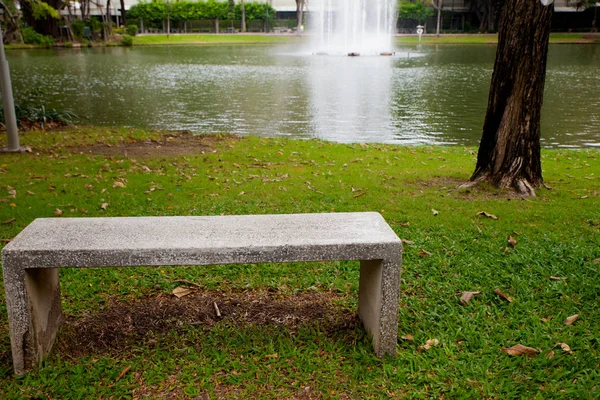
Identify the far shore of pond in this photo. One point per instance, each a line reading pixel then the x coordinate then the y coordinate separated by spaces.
pixel 261 38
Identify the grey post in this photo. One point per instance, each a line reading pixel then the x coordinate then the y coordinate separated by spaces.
pixel 8 102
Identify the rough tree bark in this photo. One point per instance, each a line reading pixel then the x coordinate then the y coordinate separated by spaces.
pixel 438 7
pixel 299 11
pixel 243 16
pixel 123 14
pixel 509 151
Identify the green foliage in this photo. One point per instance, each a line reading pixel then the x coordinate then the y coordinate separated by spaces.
pixel 41 9
pixel 155 11
pixel 132 30
pixel 77 27
pixel 29 111
pixel 416 11
pixel 30 36
pixel 127 40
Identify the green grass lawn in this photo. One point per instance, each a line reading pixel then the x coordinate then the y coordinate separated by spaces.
pixel 127 336
pixel 485 39
pixel 162 39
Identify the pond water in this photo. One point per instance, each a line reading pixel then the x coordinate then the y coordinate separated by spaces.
pixel 423 95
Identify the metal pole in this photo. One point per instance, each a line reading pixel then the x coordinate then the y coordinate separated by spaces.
pixel 8 102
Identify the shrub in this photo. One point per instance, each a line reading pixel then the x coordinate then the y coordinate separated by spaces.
pixel 132 30
pixel 127 40
pixel 77 27
pixel 30 36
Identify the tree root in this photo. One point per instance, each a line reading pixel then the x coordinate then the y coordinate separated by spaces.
pixel 521 186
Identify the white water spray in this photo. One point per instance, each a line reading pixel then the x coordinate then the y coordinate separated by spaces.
pixel 362 27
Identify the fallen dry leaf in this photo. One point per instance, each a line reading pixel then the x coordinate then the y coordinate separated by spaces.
pixel 550 354
pixel 597 261
pixel 9 221
pixel 571 320
pixel 30 193
pixel 565 347
pixel 520 350
pixel 423 253
pixel 407 224
pixel 557 278
pixel 504 296
pixel 274 355
pixel 104 206
pixel 409 337
pixel 122 374
pixel 406 241
pixel 58 212
pixel 434 212
pixel 429 344
pixel 511 241
pixel 487 215
pixel 118 185
pixel 5 240
pixel 181 291
pixel 466 297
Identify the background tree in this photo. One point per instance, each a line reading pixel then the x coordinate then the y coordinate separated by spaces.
pixel 42 16
pixel 415 13
pixel 299 14
pixel 510 151
pixel 243 7
pixel 438 4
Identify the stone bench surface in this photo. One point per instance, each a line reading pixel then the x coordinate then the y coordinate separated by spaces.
pixel 82 242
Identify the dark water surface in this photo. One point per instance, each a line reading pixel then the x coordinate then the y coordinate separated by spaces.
pixel 422 95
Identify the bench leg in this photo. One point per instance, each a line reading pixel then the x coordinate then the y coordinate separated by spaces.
pixel 34 314
pixel 379 289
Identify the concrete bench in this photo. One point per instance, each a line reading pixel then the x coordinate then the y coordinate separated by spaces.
pixel 32 259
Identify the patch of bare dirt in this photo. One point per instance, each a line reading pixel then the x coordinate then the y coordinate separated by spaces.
pixel 123 325
pixel 170 145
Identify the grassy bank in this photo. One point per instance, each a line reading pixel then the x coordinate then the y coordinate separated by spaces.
pixel 294 334
pixel 555 38
pixel 149 40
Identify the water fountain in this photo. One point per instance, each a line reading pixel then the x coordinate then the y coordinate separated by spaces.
pixel 352 27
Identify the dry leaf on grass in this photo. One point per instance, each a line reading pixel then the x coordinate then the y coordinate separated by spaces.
pixel 520 350
pixel 504 296
pixel 122 374
pixel 466 297
pixel 104 206
pixel 429 344
pixel 557 278
pixel 274 355
pixel 511 241
pixel 181 291
pixel 9 221
pixel 58 212
pixel 406 241
pixel 423 253
pixel 565 347
pixel 597 261
pixel 409 337
pixel 434 212
pixel 571 320
pixel 118 185
pixel 487 215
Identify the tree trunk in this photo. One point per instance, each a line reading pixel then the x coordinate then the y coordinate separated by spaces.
pixel 243 16
pixel 439 17
pixel 509 151
pixel 123 14
pixel 299 11
pixel 108 19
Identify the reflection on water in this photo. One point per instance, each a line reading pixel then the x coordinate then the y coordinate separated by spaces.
pixel 350 98
pixel 428 94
